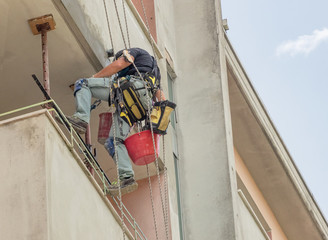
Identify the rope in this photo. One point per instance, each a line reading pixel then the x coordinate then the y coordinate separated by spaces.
pixel 108 25
pixel 113 120
pixel 117 170
pixel 119 22
pixel 148 29
pixel 165 184
pixel 126 23
pixel 155 154
pixel 164 208
pixel 152 201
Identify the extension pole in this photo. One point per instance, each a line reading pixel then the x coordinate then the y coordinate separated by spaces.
pixel 45 59
pixel 42 25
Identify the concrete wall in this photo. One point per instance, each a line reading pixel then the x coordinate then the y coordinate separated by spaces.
pixel 44 192
pixel 139 205
pixel 23 188
pixel 208 181
pixel 90 17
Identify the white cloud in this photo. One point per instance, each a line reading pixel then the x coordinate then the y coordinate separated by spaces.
pixel 303 44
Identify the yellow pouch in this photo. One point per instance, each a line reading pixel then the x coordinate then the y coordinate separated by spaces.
pixel 160 116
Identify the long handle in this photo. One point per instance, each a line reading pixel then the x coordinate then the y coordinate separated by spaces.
pixel 46 95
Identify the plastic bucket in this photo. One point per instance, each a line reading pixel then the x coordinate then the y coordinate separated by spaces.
pixel 105 123
pixel 140 147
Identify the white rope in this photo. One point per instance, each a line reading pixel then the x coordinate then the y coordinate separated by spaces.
pixel 165 207
pixel 152 201
pixel 155 153
pixel 108 25
pixel 117 171
pixel 120 25
pixel 126 23
pixel 114 128
pixel 148 29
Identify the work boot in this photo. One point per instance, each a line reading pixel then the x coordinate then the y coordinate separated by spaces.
pixel 79 125
pixel 127 185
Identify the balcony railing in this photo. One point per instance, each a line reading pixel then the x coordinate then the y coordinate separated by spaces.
pixel 77 145
pixel 250 222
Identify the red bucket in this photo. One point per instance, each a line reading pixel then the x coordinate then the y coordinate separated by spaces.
pixel 140 147
pixel 105 123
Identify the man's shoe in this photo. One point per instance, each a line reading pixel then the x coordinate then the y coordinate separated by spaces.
pixel 127 185
pixel 79 125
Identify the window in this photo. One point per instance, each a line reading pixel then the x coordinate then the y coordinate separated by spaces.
pixel 170 83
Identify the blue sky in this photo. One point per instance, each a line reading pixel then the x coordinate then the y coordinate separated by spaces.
pixel 283 46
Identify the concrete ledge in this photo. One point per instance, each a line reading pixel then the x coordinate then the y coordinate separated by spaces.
pixel 52 158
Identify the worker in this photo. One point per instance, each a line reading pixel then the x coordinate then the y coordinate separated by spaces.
pixel 100 85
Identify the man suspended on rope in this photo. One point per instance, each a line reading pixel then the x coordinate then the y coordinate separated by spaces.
pixel 131 84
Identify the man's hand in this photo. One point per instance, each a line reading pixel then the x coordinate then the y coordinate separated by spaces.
pixel 127 56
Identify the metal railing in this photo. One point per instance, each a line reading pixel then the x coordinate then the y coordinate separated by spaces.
pixel 76 142
pixel 253 214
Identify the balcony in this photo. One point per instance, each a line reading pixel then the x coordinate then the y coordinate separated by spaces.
pixel 49 191
pixel 251 226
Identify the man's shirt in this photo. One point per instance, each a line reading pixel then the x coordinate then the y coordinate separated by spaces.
pixel 143 61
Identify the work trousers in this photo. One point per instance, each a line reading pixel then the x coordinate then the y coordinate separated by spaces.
pixel 99 88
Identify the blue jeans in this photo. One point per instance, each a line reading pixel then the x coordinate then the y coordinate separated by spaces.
pixel 99 88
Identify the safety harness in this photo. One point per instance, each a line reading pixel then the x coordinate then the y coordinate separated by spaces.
pixel 132 93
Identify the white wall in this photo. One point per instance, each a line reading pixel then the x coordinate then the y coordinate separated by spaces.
pixel 23 204
pixel 208 181
pixel 90 17
pixel 45 194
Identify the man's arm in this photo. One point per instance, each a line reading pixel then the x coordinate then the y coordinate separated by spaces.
pixel 113 68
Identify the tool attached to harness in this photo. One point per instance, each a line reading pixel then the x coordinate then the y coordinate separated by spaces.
pixel 128 102
pixel 151 81
pixel 160 116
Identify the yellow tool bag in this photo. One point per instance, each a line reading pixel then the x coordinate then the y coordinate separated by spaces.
pixel 160 116
pixel 135 101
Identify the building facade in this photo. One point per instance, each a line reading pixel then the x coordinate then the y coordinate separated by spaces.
pixel 223 172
